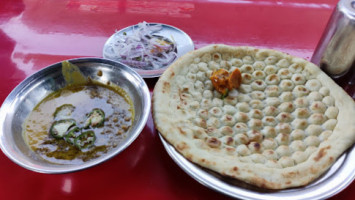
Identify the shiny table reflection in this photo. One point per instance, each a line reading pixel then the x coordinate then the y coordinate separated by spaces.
pixel 36 33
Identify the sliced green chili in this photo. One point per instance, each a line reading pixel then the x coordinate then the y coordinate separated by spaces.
pixel 85 140
pixel 59 128
pixel 72 134
pixel 64 111
pixel 95 118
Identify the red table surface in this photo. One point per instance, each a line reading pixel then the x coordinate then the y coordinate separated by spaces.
pixel 37 33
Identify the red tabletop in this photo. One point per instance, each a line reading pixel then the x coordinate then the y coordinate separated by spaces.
pixel 37 33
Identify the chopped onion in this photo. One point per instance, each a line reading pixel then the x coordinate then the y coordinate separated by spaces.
pixel 142 49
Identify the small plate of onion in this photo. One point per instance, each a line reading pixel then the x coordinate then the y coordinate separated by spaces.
pixel 149 48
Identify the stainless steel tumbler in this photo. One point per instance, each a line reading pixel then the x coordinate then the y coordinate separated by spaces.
pixel 335 53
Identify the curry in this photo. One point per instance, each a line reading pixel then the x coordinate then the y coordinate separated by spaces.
pixel 79 122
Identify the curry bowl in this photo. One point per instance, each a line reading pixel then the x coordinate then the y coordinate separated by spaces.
pixel 29 93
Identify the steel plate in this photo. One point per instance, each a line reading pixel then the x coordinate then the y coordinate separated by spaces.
pixel 184 44
pixel 338 177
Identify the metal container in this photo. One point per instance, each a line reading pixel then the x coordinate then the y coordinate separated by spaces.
pixel 21 101
pixel 335 53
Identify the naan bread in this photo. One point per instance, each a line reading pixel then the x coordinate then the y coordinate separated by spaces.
pixel 284 127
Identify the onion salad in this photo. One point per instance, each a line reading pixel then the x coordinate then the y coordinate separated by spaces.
pixel 142 49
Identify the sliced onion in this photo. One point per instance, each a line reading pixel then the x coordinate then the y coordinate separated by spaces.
pixel 143 47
